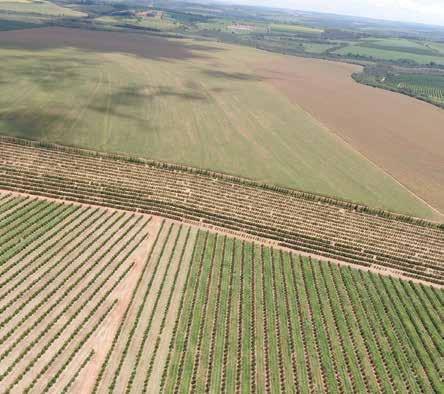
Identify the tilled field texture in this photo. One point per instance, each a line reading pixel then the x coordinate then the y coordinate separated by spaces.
pixel 101 300
pixel 296 220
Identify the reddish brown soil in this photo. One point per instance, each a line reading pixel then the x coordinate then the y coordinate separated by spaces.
pixel 402 135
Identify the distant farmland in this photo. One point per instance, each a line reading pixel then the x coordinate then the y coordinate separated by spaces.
pixel 100 300
pixel 429 88
pixel 140 94
pixel 395 50
pixel 36 8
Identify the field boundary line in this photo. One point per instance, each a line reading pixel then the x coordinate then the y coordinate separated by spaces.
pixel 363 156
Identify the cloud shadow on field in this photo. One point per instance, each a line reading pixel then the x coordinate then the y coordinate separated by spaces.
pixel 134 43
pixel 33 124
pixel 166 91
pixel 233 76
pixel 47 72
pixel 130 97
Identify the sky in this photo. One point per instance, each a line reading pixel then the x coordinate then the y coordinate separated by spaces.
pixel 419 11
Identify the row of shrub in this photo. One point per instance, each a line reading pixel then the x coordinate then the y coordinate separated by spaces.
pixel 119 331
pixel 268 232
pixel 242 181
pixel 165 313
pixel 54 291
pixel 139 314
pixel 93 311
pixel 147 329
pixel 35 267
pixel 179 314
pixel 79 309
pixel 419 350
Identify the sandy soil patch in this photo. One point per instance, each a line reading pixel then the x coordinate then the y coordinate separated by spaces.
pixel 101 342
pixel 151 308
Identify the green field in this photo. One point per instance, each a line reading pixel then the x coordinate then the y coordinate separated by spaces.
pixel 313 47
pixel 14 24
pixel 40 7
pixel 436 46
pixel 430 87
pixel 254 318
pixel 429 47
pixel 179 101
pixel 395 42
pixel 163 24
pixel 394 50
pixel 290 28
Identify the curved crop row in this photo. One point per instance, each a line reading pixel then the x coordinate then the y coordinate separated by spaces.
pixel 73 233
pixel 54 291
pixel 29 263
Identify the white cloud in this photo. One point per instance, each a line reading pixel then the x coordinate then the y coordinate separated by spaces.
pixel 420 11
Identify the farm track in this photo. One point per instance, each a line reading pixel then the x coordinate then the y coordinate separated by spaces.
pixel 324 227
pixel 102 300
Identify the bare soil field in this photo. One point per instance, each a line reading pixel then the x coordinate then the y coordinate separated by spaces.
pixel 401 135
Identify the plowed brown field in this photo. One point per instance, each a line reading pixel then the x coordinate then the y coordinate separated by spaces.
pixel 402 135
